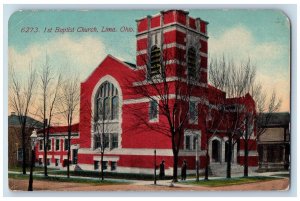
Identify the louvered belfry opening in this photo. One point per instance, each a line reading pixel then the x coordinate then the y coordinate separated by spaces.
pixel 155 61
pixel 191 63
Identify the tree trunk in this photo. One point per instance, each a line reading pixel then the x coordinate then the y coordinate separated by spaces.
pixel 207 156
pixel 155 166
pixel 246 159
pixel 69 150
pixel 45 137
pixel 45 156
pixel 229 154
pixel 45 148
pixel 246 141
pixel 206 165
pixel 102 176
pixel 175 165
pixel 23 150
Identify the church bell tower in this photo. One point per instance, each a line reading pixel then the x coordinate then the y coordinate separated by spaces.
pixel 175 39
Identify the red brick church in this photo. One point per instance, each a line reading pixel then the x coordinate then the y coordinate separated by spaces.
pixel 110 88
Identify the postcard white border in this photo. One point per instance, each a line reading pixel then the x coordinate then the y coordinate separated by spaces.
pixel 290 10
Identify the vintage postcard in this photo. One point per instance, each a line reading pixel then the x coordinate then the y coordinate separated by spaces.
pixel 149 100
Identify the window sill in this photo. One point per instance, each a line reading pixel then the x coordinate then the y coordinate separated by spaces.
pixel 109 121
pixel 189 150
pixel 153 120
pixel 193 122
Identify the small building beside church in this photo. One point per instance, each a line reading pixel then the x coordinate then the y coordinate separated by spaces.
pixel 15 153
pixel 274 142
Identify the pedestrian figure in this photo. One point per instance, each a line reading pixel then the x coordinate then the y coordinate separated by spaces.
pixel 162 170
pixel 183 170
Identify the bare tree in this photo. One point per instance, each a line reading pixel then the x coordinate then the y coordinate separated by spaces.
pixel 103 136
pixel 169 89
pixel 214 120
pixel 235 81
pixel 239 83
pixel 50 83
pixel 266 106
pixel 20 100
pixel 259 120
pixel 69 103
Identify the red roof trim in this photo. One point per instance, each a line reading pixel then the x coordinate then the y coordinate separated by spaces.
pixel 62 129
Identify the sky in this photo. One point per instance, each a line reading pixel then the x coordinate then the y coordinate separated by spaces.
pixel 261 35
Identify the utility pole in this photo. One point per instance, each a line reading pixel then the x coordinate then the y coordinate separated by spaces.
pixel 154 166
pixel 33 143
pixel 197 160
pixel 46 138
pixel 206 156
pixel 246 148
pixel 207 120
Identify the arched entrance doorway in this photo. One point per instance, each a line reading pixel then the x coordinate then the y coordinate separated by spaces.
pixel 216 150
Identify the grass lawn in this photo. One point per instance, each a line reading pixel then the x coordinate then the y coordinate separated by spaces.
pixel 95 174
pixel 114 175
pixel 65 179
pixel 226 182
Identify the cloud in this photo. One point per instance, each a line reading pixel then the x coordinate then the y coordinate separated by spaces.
pixel 83 55
pixel 272 66
pixel 239 44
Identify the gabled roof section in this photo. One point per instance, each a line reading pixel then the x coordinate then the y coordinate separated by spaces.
pixel 127 64
pixel 274 119
pixel 241 99
pixel 213 89
pixel 13 120
pixel 130 64
pixel 215 95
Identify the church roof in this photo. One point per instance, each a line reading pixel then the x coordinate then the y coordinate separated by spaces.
pixel 274 119
pixel 13 120
pixel 130 64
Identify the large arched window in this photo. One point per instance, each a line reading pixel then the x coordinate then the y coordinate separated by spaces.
pixel 191 63
pixel 107 102
pixel 155 61
pixel 114 107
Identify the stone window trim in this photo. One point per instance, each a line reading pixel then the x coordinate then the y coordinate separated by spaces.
pixel 56 162
pixel 112 141
pixel 153 112
pixel 193 112
pixel 191 135
pixel 59 144
pixel 41 144
pixel 95 95
pixel 50 147
pixel 113 166
pixel 20 154
pixel 64 145
pixel 96 165
pixel 105 108
pixel 105 165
